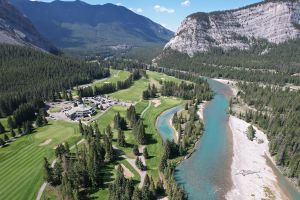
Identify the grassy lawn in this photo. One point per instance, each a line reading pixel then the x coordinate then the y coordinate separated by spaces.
pixel 155 148
pixel 141 105
pixel 22 161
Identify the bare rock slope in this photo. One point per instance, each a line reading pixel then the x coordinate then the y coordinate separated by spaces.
pixel 16 29
pixel 275 21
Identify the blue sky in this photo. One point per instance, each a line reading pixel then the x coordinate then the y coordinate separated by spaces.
pixel 170 13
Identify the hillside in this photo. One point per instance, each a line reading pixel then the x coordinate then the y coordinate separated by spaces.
pixel 22 68
pixel 98 28
pixel 18 30
pixel 274 21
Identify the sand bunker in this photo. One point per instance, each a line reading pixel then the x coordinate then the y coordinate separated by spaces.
pixel 45 142
pixel 156 102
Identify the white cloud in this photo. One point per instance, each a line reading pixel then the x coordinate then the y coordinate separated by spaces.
pixel 162 9
pixel 186 3
pixel 119 4
pixel 137 10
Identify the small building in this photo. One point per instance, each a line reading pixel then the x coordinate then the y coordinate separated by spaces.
pixel 81 111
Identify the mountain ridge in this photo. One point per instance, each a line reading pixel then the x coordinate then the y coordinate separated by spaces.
pixel 98 27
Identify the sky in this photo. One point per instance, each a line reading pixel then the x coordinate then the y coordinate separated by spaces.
pixel 170 13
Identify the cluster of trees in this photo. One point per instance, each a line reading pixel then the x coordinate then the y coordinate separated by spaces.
pixel 278 114
pixel 138 127
pixel 120 122
pixel 187 91
pixel 52 73
pixel 21 122
pixel 174 192
pixel 189 127
pixel 151 92
pixel 252 65
pixel 123 189
pixel 76 174
pixel 109 87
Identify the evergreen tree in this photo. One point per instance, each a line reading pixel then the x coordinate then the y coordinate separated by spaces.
pixel 251 133
pixel 121 138
pixel 6 138
pixel 81 130
pixel 39 121
pixel 48 171
pixel 11 122
pixel 2 142
pixel 136 150
pixel 13 133
pixel 145 153
pixel 2 129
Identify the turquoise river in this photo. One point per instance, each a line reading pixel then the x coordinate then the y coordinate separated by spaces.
pixel 206 174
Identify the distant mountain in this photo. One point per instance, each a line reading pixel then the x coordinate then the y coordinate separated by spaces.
pixel 78 26
pixel 18 30
pixel 271 21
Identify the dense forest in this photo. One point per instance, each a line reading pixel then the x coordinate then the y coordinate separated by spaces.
pixel 264 62
pixel 187 91
pixel 31 76
pixel 278 113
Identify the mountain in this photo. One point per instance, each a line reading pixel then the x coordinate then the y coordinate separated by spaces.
pixel 18 30
pixel 78 26
pixel 272 21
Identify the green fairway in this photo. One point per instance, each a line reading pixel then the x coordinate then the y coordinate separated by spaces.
pixel 116 75
pixel 132 94
pixel 22 161
pixel 155 148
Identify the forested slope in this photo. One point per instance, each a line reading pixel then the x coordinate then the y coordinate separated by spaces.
pixel 264 62
pixel 27 75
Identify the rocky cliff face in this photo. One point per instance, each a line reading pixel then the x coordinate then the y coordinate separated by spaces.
pixel 274 20
pixel 18 30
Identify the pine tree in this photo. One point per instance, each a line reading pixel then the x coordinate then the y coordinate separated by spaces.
pixel 48 171
pixel 145 153
pixel 2 129
pixel 13 133
pixel 251 133
pixel 136 150
pixel 109 133
pixel 2 142
pixel 121 138
pixel 6 138
pixel 10 122
pixel 81 130
pixel 39 121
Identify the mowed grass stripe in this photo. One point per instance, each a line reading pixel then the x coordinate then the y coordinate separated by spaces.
pixel 23 192
pixel 20 174
pixel 21 163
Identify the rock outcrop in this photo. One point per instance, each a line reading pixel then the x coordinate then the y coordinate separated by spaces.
pixel 275 21
pixel 16 29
